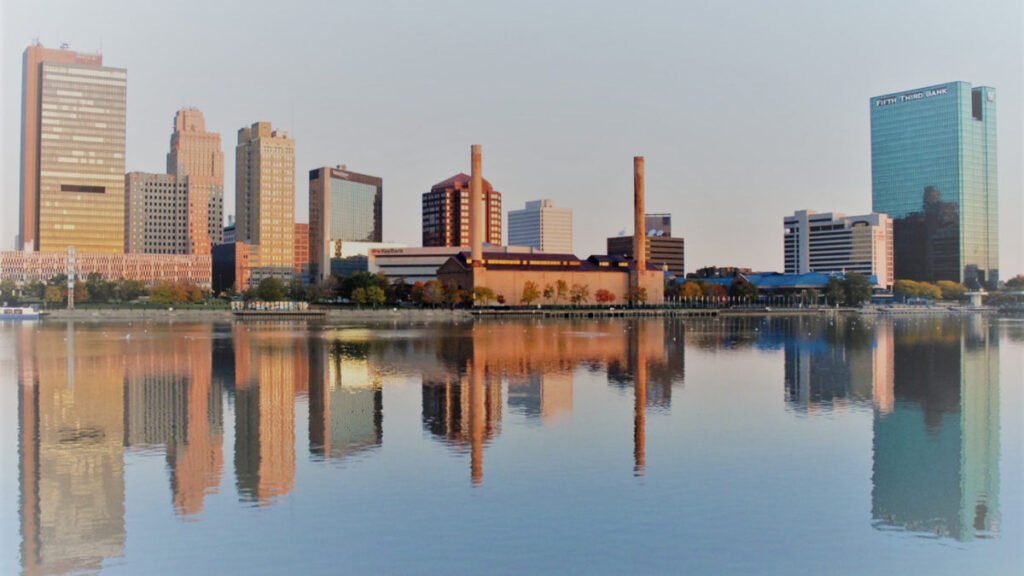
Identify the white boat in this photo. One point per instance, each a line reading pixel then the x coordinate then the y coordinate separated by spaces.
pixel 19 313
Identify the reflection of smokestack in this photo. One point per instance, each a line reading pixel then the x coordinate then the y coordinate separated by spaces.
pixel 476 421
pixel 639 230
pixel 476 206
pixel 640 402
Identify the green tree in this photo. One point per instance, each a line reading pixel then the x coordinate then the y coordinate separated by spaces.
pixel 951 290
pixel 9 292
pixel 483 295
pixel 579 294
pixel 856 289
pixel 270 289
pixel 1015 283
pixel 835 291
pixel 742 288
pixel 128 290
pixel 375 296
pixel 359 296
pixel 530 293
pixel 53 295
pixel 297 290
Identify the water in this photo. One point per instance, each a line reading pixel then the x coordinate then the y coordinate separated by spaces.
pixel 771 446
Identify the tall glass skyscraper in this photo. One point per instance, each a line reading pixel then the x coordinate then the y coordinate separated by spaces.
pixel 345 206
pixel 933 170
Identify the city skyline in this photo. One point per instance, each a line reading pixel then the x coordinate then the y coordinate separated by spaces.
pixel 783 149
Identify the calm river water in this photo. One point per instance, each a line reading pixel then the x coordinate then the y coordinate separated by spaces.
pixel 713 446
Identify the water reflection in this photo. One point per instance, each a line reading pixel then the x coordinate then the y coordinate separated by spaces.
pixel 928 389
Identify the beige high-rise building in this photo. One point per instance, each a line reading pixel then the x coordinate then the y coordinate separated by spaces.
pixel 197 154
pixel 72 152
pixel 265 195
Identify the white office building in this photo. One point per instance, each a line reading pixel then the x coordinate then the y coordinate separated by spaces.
pixel 541 226
pixel 834 242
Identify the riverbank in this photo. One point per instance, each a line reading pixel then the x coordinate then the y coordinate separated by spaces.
pixel 200 315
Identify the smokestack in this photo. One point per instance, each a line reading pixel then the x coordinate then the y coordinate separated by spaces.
pixel 476 206
pixel 639 225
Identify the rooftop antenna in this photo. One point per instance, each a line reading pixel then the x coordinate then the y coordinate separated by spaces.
pixel 63 45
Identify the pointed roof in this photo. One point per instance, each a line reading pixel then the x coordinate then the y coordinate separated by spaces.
pixel 460 180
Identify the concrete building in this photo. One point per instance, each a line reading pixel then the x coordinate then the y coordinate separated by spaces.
pixel 196 154
pixel 72 152
pixel 265 196
pixel 302 264
pixel 343 206
pixel 347 258
pixel 446 213
pixel 22 267
pixel 542 226
pixel 157 214
pixel 509 276
pixel 228 236
pixel 933 171
pixel 834 242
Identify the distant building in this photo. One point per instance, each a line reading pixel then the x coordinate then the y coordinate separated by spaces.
pixel 229 233
pixel 446 213
pixel 265 196
pixel 663 250
pixel 411 264
pixel 834 242
pixel 347 258
pixel 719 272
pixel 542 226
pixel 22 267
pixel 343 206
pixel 196 154
pixel 157 214
pixel 72 152
pixel 933 171
pixel 232 266
pixel 301 239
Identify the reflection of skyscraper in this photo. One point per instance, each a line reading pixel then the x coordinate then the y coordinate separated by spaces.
pixel 547 396
pixel 827 364
pixel 345 403
pixel 265 414
pixel 936 453
pixel 71 457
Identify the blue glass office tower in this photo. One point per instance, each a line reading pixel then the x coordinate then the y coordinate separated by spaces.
pixel 933 170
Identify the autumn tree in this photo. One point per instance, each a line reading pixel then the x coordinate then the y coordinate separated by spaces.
pixel 604 296
pixel 483 295
pixel 579 294
pixel 531 293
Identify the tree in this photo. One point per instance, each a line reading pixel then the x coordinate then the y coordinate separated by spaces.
pixel 951 290
pixel 856 288
pixel 8 292
pixel 162 293
pixel 416 293
pixel 835 291
pixel 433 293
pixel 713 290
pixel 359 296
pixel 579 294
pixel 637 295
pixel 1015 283
pixel 604 296
pixel 195 294
pixel 53 295
pixel 549 293
pixel 128 290
pixel 561 290
pixel 531 293
pixel 483 295
pixel 375 296
pixel 81 292
pixel 691 290
pixel 455 296
pixel 742 288
pixel 297 290
pixel 399 291
pixel 270 289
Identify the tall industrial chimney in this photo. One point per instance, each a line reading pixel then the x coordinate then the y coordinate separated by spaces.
pixel 476 207
pixel 639 224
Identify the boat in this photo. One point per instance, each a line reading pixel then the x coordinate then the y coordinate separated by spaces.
pixel 20 313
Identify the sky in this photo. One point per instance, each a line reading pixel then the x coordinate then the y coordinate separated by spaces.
pixel 745 110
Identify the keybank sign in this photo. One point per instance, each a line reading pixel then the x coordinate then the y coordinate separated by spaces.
pixel 920 95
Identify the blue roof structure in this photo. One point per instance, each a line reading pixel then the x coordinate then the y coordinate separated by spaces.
pixel 770 281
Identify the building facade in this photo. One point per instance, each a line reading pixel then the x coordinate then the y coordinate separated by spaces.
pixel 666 252
pixel 446 213
pixel 344 206
pixel 72 152
pixel 157 214
pixel 23 267
pixel 542 226
pixel 196 154
pixel 265 196
pixel 933 171
pixel 834 242
pixel 301 238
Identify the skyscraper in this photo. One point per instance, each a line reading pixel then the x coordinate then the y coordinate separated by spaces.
pixel 265 195
pixel 343 205
pixel 834 242
pixel 157 214
pixel 197 154
pixel 446 213
pixel 933 170
pixel 72 152
pixel 542 226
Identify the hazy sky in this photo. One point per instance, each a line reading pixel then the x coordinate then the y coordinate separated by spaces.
pixel 746 111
